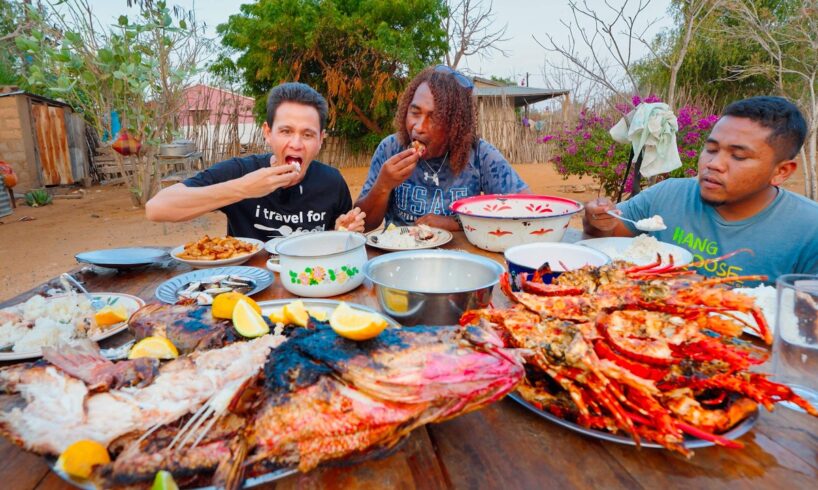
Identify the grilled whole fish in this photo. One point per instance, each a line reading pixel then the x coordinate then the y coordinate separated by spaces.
pixel 313 398
pixel 189 327
pixel 44 409
pixel 328 397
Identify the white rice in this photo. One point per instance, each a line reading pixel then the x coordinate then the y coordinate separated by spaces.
pixel 654 223
pixel 765 298
pixel 395 239
pixel 642 250
pixel 41 322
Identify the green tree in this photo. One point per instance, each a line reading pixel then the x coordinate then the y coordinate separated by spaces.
pixel 12 23
pixel 358 53
pixel 706 70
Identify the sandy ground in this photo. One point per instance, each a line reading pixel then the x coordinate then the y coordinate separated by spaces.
pixel 32 251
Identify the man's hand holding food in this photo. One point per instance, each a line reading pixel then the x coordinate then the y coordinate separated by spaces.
pixel 351 221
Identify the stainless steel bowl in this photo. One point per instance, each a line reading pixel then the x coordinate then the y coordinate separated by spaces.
pixel 432 287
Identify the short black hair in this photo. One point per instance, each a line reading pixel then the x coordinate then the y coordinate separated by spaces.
pixel 300 93
pixel 789 129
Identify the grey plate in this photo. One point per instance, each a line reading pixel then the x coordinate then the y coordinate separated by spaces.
pixel 166 292
pixel 326 305
pixel 123 258
pixel 690 442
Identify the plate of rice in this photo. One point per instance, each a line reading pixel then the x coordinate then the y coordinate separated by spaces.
pixel 765 298
pixel 25 328
pixel 640 250
pixel 395 238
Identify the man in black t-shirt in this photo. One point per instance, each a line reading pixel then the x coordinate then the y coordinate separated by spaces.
pixel 276 194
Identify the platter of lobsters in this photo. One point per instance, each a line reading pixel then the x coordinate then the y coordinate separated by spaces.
pixel 647 355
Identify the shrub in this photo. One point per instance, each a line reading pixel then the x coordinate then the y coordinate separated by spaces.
pixel 38 197
pixel 587 149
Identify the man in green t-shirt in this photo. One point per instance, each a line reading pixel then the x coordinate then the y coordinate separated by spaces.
pixel 736 201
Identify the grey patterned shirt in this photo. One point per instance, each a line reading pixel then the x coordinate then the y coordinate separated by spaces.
pixel 432 187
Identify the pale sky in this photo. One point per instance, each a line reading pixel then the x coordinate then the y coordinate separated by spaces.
pixel 525 18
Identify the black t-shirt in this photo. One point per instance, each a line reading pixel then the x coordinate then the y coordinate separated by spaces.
pixel 311 205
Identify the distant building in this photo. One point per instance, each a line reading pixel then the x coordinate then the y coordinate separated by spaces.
pixel 503 99
pixel 503 119
pixel 213 115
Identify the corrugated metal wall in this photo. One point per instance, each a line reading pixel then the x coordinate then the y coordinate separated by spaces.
pixel 52 143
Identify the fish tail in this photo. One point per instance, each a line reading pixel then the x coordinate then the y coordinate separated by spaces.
pixel 230 472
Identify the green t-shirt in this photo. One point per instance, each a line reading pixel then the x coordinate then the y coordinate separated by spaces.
pixel 783 237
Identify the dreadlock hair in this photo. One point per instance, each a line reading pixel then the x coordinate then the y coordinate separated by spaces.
pixel 455 111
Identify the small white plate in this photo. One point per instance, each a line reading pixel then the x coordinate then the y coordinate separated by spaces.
pixel 270 245
pixel 441 237
pixel 615 246
pixel 131 303
pixel 239 259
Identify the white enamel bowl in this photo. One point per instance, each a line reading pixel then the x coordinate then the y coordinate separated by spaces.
pixel 560 257
pixel 318 265
pixel 495 222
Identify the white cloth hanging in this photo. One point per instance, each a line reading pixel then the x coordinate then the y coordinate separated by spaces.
pixel 651 127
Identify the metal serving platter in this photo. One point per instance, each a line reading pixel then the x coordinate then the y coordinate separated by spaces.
pixel 690 442
pixel 248 482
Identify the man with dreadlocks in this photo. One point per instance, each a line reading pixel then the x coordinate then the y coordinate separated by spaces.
pixel 435 156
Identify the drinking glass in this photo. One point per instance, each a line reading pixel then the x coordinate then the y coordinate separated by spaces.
pixel 795 349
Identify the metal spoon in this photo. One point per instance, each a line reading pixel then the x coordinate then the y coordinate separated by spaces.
pixel 96 303
pixel 640 225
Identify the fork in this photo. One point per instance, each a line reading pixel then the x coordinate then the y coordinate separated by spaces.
pixel 96 303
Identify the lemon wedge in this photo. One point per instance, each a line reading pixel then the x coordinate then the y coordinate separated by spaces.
pixel 277 316
pixel 247 321
pixel 154 347
pixel 319 315
pixel 355 324
pixel 111 315
pixel 164 481
pixel 225 303
pixel 397 301
pixel 79 459
pixel 296 313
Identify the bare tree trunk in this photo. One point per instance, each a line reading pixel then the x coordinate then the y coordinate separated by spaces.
pixel 677 65
pixel 810 167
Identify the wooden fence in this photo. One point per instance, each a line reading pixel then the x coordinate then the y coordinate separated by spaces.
pixel 499 124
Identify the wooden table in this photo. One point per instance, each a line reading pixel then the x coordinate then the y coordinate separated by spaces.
pixel 503 445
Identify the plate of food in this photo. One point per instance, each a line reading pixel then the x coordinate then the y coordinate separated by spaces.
pixel 217 251
pixel 640 250
pixel 609 359
pixel 40 321
pixel 765 297
pixel 123 258
pixel 395 238
pixel 203 285
pixel 690 442
pixel 292 391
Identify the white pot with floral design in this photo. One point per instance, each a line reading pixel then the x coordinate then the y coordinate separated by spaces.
pixel 495 222
pixel 318 265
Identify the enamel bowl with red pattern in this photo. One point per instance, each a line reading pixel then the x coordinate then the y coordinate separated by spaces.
pixel 495 222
